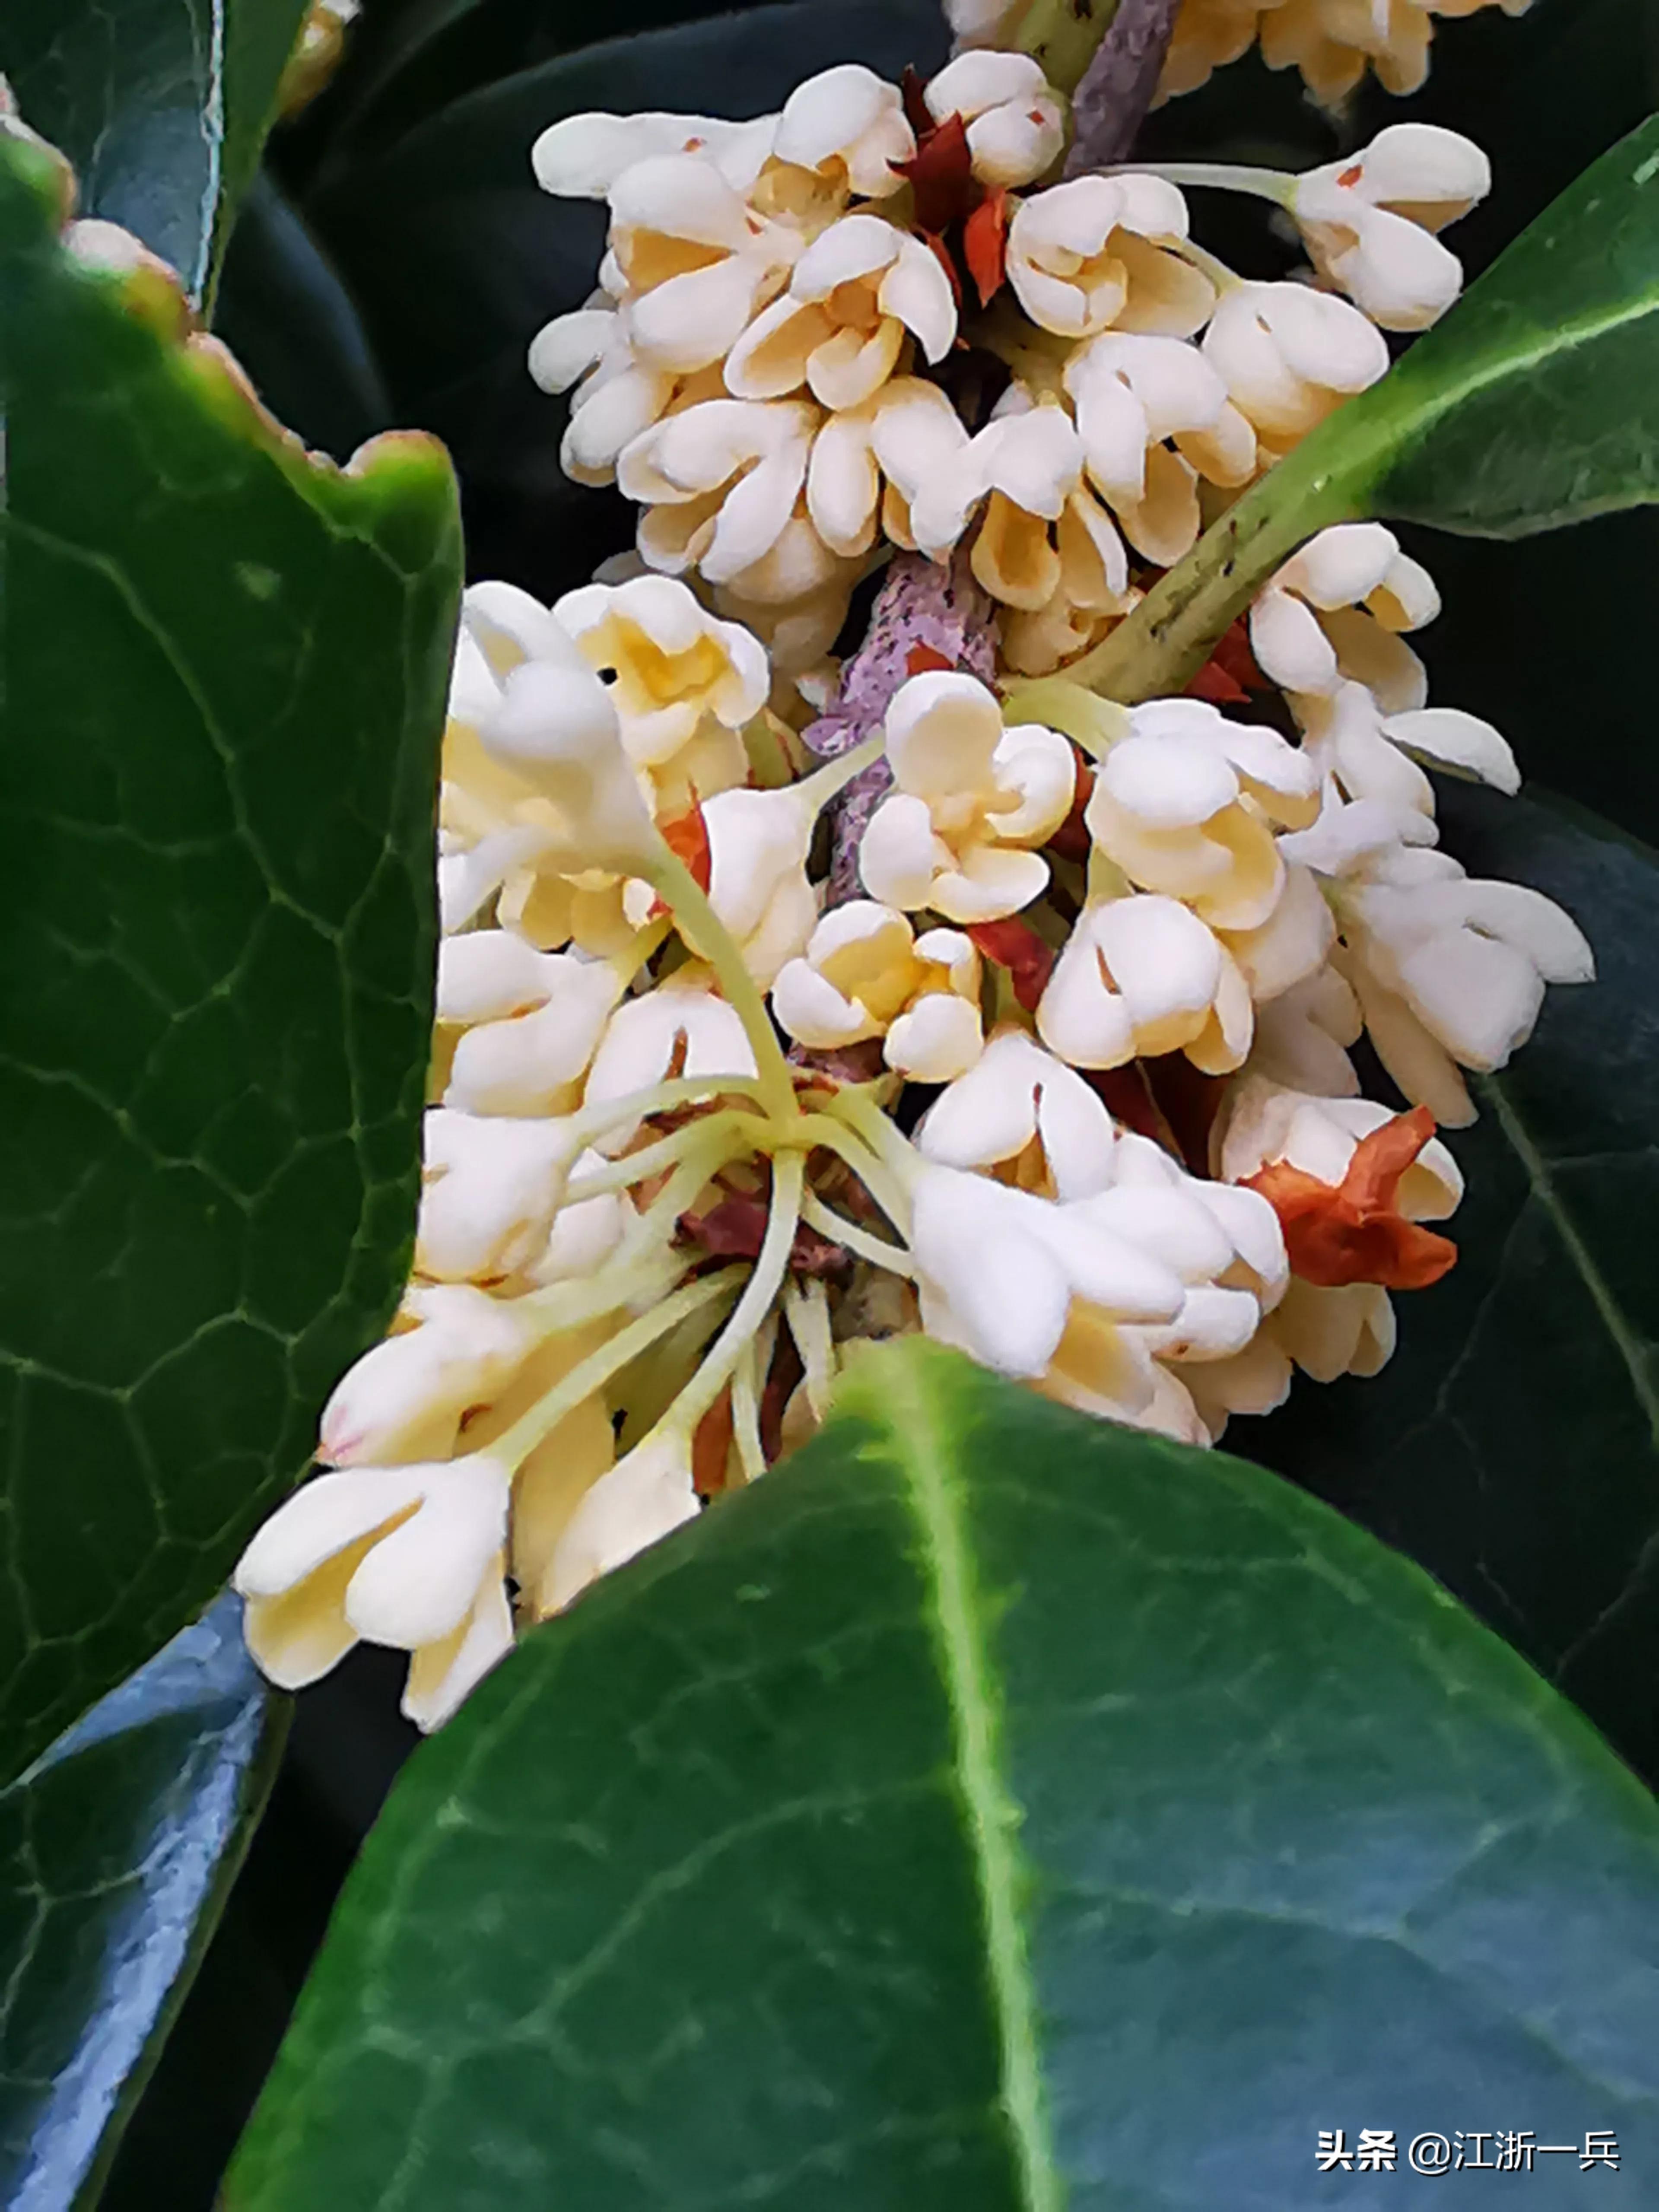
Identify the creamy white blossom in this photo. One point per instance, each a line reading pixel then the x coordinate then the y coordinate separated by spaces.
pixel 1337 608
pixel 1023 1111
pixel 1093 255
pixel 490 1186
pixel 1143 976
pixel 1187 802
pixel 1043 531
pixel 1015 120
pixel 681 1166
pixel 1153 415
pixel 1449 969
pixel 644 1498
pixel 869 463
pixel 847 127
pixel 865 973
pixel 1289 355
pixel 681 1023
pixel 841 328
pixel 1011 1315
pixel 969 800
pixel 409 1556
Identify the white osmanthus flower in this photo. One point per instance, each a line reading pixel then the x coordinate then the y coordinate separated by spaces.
pixel 1153 416
pixel 645 1497
pixel 531 1021
pixel 1327 1331
pixel 1289 356
pixel 1292 944
pixel 583 156
pixel 1302 1036
pixel 679 1023
pixel 1043 530
pixel 1141 976
pixel 411 1557
pixel 854 294
pixel 970 801
pixel 1015 120
pixel 1093 255
pixel 1263 1122
pixel 870 462
pixel 847 127
pixel 1337 610
pixel 759 842
pixel 683 682
pixel 1187 802
pixel 865 973
pixel 1450 970
pixel 1372 759
pixel 1370 221
pixel 490 1187
pixel 694 260
pixel 1224 1247
pixel 616 396
pixel 1012 1315
pixel 403 1399
pixel 1027 1114
pixel 721 484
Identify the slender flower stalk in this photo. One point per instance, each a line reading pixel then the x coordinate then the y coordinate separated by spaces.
pixel 534 1426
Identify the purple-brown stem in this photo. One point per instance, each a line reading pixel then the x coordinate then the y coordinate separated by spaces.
pixel 1118 85
pixel 921 603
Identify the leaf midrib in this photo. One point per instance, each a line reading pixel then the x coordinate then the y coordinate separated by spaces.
pixel 1396 433
pixel 992 1816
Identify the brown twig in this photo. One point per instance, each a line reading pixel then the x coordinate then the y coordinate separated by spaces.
pixel 1118 84
pixel 927 615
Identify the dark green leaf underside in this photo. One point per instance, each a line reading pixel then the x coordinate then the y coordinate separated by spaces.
pixel 992 1811
pixel 161 106
pixel 224 669
pixel 1512 1445
pixel 116 1852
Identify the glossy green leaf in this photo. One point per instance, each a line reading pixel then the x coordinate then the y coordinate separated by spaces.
pixel 162 106
pixel 1512 1445
pixel 1532 405
pixel 116 1850
pixel 992 1811
pixel 224 665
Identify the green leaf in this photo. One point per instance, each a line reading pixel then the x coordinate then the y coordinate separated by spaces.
pixel 992 1811
pixel 117 1851
pixel 403 64
pixel 161 106
pixel 1532 405
pixel 1512 1443
pixel 224 665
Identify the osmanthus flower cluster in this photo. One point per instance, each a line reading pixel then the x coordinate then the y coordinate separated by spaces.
pixel 874 321
pixel 781 1004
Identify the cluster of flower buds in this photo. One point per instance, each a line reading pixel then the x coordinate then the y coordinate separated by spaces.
pixel 866 322
pixel 1333 42
pixel 1025 1018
